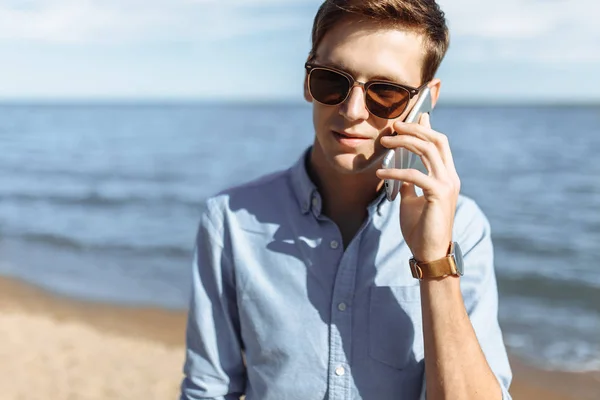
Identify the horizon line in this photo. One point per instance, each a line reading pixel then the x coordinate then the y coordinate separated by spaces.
pixel 467 102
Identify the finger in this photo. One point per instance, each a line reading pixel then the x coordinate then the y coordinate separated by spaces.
pixel 426 150
pixel 426 133
pixel 444 145
pixel 407 191
pixel 425 121
pixel 416 177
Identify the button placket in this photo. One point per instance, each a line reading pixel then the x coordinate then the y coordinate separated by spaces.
pixel 341 319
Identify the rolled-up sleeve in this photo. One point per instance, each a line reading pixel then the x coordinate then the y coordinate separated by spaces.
pixel 214 367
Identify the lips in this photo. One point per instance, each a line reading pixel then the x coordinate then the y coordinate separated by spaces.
pixel 350 140
pixel 350 135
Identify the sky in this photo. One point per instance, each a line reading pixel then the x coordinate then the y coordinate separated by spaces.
pixel 254 50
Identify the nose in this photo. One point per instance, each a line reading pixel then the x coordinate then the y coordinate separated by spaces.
pixel 354 108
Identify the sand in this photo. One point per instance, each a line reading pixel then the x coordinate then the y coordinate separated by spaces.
pixel 61 349
pixel 56 349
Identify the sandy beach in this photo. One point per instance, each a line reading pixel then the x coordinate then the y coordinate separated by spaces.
pixel 61 349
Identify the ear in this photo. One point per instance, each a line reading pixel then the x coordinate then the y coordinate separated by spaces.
pixel 434 86
pixel 307 95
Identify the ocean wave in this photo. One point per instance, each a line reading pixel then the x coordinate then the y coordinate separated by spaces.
pixel 560 355
pixel 73 244
pixel 545 288
pixel 93 176
pixel 531 247
pixel 98 200
pixel 552 335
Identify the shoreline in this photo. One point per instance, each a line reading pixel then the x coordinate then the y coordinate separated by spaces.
pixel 62 339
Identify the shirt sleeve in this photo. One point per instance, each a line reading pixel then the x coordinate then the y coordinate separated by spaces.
pixel 214 367
pixel 480 291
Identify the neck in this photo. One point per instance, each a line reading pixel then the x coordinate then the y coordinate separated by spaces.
pixel 345 197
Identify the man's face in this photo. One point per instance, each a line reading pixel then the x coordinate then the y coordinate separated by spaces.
pixel 367 52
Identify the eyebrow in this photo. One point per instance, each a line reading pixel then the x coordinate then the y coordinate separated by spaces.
pixel 354 73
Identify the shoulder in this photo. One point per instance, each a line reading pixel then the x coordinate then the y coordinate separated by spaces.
pixel 257 196
pixel 470 222
pixel 471 225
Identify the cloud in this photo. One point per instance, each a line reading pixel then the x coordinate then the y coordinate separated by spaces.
pixel 556 31
pixel 107 21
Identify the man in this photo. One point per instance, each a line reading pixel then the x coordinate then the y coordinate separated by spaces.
pixel 302 285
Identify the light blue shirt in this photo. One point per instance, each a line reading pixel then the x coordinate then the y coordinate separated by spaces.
pixel 271 280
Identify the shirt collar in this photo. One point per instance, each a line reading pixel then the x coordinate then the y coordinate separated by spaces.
pixel 379 202
pixel 303 187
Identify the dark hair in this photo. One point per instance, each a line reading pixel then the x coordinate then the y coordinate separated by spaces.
pixel 421 16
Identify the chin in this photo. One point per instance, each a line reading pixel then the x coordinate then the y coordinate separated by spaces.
pixel 348 159
pixel 354 163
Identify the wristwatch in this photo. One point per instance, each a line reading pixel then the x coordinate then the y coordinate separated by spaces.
pixel 452 264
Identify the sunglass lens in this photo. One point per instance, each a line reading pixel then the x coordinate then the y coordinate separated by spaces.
pixel 328 87
pixel 387 101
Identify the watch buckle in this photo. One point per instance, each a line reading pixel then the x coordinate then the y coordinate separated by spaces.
pixel 416 271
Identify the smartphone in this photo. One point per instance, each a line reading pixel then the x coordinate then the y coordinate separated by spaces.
pixel 401 158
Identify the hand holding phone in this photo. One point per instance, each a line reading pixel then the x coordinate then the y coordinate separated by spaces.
pixel 401 158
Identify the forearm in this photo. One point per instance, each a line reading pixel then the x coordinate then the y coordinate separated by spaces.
pixel 455 366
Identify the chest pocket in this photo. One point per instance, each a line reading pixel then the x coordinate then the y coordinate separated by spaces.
pixel 395 325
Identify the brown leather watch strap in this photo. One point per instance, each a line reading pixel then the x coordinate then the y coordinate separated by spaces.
pixel 434 269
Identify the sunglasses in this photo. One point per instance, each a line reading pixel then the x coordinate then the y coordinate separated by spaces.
pixel 331 87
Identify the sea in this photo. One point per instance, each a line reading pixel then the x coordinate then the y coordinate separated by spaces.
pixel 101 202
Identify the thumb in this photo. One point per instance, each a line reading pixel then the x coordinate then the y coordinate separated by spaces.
pixel 407 191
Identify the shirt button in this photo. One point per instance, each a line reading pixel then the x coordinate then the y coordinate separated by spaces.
pixel 342 307
pixel 334 244
pixel 315 201
pixel 339 371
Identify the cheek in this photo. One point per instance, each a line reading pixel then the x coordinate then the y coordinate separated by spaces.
pixel 322 116
pixel 386 129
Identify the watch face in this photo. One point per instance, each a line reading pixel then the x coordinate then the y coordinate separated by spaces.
pixel 458 257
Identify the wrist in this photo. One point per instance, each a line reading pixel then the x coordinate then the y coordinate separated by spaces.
pixel 449 264
pixel 433 251
pixel 441 293
pixel 431 254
